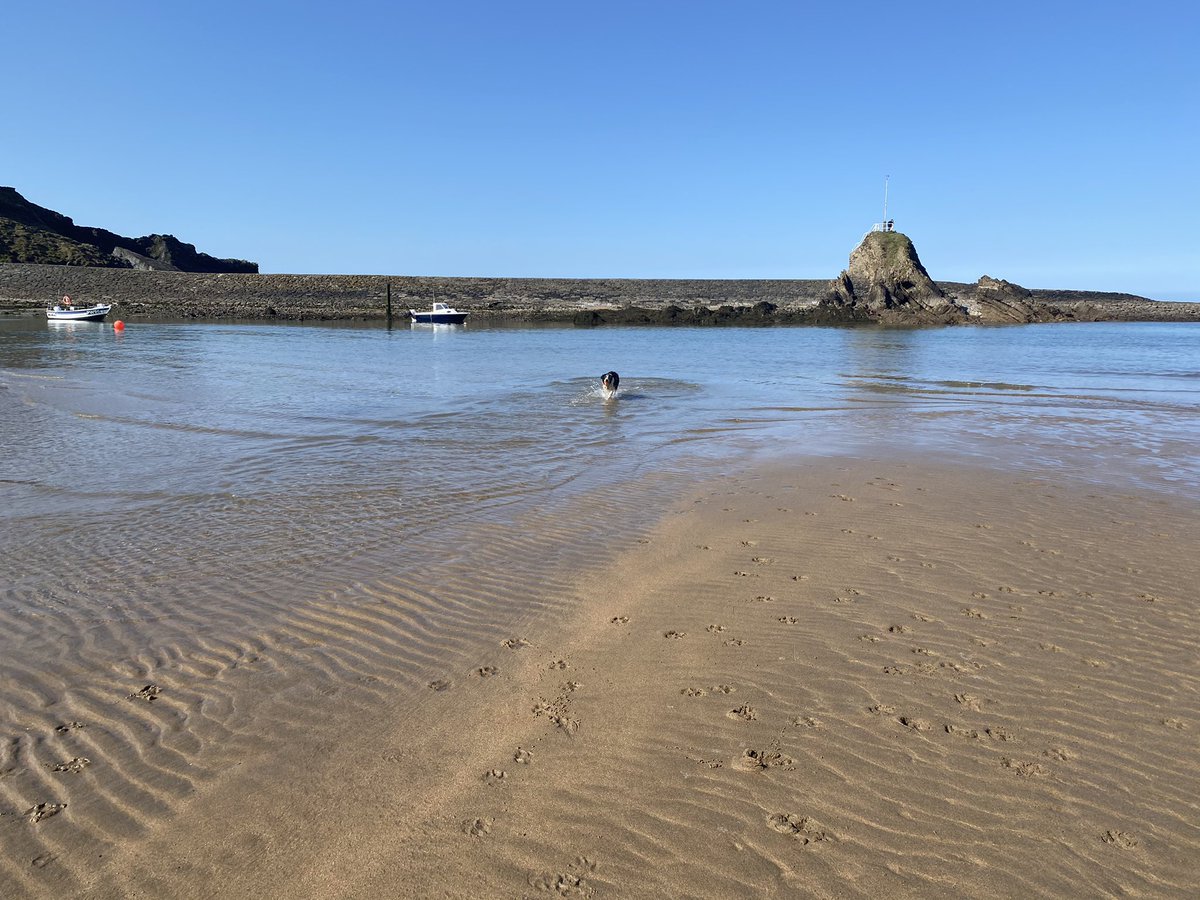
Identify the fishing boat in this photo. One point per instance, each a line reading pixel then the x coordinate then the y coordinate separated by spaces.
pixel 67 311
pixel 441 314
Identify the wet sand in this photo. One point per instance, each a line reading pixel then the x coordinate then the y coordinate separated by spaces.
pixel 822 678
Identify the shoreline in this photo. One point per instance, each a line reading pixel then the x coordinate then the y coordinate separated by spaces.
pixel 840 676
pixel 193 296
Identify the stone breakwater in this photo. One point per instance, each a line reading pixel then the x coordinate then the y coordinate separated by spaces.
pixel 303 297
pixel 148 294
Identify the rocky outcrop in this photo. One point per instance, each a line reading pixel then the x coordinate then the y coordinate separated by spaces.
pixel 886 282
pixel 32 234
pixel 996 300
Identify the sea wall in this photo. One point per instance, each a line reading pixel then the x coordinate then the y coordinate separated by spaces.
pixel 191 295
pixel 148 294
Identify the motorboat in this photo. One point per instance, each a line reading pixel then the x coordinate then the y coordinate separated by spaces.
pixel 441 314
pixel 67 311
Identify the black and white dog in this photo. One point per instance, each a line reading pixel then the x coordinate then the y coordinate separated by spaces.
pixel 609 382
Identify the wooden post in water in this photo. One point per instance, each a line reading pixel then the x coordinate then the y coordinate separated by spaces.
pixel 389 304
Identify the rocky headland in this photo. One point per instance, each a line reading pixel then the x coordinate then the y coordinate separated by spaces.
pixel 33 234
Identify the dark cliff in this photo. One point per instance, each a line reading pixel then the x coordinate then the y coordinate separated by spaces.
pixel 32 234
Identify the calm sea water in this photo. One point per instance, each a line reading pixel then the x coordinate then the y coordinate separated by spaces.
pixel 189 448
pixel 231 435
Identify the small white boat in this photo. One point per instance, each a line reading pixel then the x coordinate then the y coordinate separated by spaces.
pixel 441 314
pixel 66 311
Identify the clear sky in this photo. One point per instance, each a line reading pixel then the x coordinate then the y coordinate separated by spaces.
pixel 1054 144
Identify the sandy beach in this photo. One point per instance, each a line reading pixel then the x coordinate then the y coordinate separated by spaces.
pixel 820 678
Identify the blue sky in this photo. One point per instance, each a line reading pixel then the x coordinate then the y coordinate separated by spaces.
pixel 1052 144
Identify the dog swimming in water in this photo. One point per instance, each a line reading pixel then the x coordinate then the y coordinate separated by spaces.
pixel 609 382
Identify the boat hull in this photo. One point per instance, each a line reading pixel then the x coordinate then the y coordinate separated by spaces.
pixel 92 314
pixel 438 318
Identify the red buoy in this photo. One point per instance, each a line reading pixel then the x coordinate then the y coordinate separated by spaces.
pixel 118 325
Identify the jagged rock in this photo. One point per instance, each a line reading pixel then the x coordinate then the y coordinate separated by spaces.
pixel 996 300
pixel 144 263
pixel 886 280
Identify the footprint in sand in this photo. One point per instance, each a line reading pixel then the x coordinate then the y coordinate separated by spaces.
pixel 789 620
pixel 68 726
pixel 973 613
pixel 745 712
pixel 477 827
pixel 741 574
pixel 915 724
pixel 1062 754
pixel 439 684
pixel 762 560
pixel 619 620
pixel 722 689
pixel 571 687
pixel 1122 839
pixel 753 760
pixel 921 617
pixel 514 643
pixel 572 883
pixel 734 642
pixel 763 598
pixel 565 723
pixel 522 757
pixel 42 860
pixel 799 578
pixel 693 692
pixel 495 776
pixel 558 664
pixel 749 543
pixel 959 731
pixel 842 497
pixel 487 671
pixel 870 638
pixel 970 701
pixel 899 629
pixel 42 811
pixel 979 595
pixel 149 693
pixel 715 629
pixel 74 766
pixel 806 722
pixel 1024 769
pixel 1177 724
pixel 674 635
pixel 881 709
pixel 802 828
pixel 703 547
pixel 1052 648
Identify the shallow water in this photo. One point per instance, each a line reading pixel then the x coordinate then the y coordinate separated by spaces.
pixel 193 498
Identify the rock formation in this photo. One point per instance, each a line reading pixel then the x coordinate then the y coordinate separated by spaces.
pixel 886 281
pixel 997 300
pixel 33 234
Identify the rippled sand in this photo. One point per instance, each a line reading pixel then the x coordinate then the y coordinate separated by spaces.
pixel 825 679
